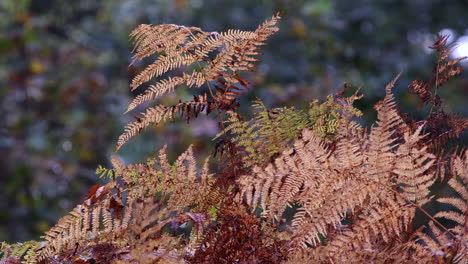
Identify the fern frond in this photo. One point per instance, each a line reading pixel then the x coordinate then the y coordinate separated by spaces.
pixel 325 117
pixel 412 168
pixel 118 165
pixel 105 173
pixel 459 183
pixel 135 209
pixel 161 113
pixel 356 175
pixel 441 247
pixel 384 222
pixel 154 91
pixel 82 224
pixel 272 130
pixel 24 253
pixel 382 137
pixel 180 46
pixel 443 71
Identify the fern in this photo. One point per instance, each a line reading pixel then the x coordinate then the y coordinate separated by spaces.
pixel 152 196
pixel 443 71
pixel 442 126
pixel 441 243
pixel 353 192
pixel 105 173
pixel 328 183
pixel 179 46
pixel 26 252
pixel 271 131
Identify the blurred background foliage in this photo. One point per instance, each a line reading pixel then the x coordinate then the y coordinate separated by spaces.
pixel 64 79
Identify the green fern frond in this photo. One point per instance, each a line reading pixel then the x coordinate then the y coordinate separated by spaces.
pixel 325 117
pixel 272 130
pixel 26 252
pixel 106 173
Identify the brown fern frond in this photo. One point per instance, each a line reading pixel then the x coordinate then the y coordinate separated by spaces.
pixel 184 46
pixel 354 134
pixel 83 224
pixel 376 228
pixel 459 182
pixel 161 113
pixel 460 168
pixel 440 247
pixel 178 186
pixel 357 175
pixel 320 187
pixel 146 232
pixel 231 161
pixel 443 70
pixel 444 127
pixel 239 237
pixel 412 168
pixel 134 209
pixel 380 232
pixel 401 252
pixel 382 138
pixel 155 91
pixel 227 93
pixel 118 164
pixel 149 40
pixel 217 58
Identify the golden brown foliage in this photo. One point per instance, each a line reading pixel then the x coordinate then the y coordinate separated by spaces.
pixel 239 236
pixel 216 59
pixel 131 216
pixel 354 193
pixel 373 182
pixel 442 126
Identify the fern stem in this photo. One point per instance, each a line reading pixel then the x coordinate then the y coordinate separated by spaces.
pixel 218 113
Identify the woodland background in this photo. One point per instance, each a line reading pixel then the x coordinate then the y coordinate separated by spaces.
pixel 64 80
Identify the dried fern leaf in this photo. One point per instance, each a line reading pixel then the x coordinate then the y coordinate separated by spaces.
pixel 216 57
